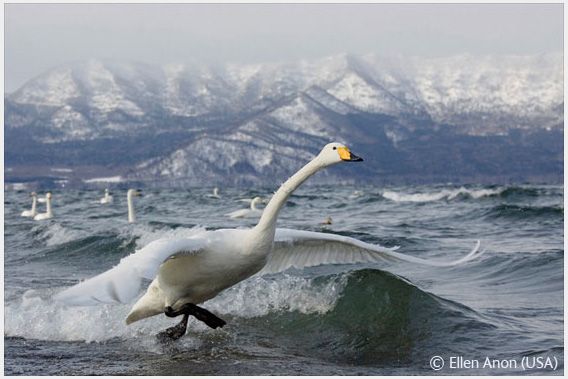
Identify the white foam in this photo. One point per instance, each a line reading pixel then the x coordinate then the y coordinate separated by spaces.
pixel 63 169
pixel 440 195
pixel 55 234
pixel 15 186
pixel 110 179
pixel 37 316
pixel 259 296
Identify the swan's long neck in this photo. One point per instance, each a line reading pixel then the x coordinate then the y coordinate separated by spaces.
pixel 267 221
pixel 34 203
pixel 48 203
pixel 131 215
pixel 253 204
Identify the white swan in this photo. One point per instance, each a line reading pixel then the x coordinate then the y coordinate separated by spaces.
pixel 215 193
pixel 328 221
pixel 48 213
pixel 189 271
pixel 32 212
pixel 129 195
pixel 107 199
pixel 41 199
pixel 248 212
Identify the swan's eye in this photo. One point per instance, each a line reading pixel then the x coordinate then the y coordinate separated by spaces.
pixel 335 148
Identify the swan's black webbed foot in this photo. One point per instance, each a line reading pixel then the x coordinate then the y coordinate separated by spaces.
pixel 175 332
pixel 199 313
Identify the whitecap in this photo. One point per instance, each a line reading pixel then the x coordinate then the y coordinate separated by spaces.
pixel 440 195
pixel 37 316
pixel 55 233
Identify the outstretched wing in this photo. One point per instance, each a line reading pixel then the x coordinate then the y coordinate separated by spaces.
pixel 297 248
pixel 122 283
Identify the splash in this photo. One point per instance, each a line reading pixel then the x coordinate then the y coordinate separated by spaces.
pixel 37 316
pixel 441 195
pixel 56 234
pixel 260 296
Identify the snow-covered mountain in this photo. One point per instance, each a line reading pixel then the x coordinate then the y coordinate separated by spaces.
pixel 260 120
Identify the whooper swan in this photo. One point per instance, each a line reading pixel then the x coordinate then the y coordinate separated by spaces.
pixel 189 271
pixel 248 212
pixel 48 213
pixel 32 212
pixel 215 193
pixel 129 195
pixel 107 199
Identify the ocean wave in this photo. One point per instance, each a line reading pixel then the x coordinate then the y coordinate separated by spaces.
pixel 514 211
pixel 53 233
pixel 99 250
pixel 518 272
pixel 447 194
pixel 361 316
pixel 37 316
pixel 378 317
pixel 511 192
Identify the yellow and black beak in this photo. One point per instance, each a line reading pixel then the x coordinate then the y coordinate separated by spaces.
pixel 348 156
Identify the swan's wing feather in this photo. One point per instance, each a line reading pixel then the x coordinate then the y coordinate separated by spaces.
pixel 122 283
pixel 296 248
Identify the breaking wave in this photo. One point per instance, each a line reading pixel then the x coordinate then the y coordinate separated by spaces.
pixel 364 316
pixel 446 194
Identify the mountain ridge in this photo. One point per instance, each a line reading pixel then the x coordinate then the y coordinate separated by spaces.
pixel 152 119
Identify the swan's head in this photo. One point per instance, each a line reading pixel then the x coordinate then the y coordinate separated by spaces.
pixel 134 192
pixel 106 191
pixel 48 195
pixel 336 152
pixel 33 194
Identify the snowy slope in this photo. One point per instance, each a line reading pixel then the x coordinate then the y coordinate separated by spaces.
pixel 101 98
pixel 190 120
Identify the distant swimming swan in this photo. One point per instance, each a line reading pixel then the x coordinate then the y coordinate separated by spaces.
pixel 129 195
pixel 33 211
pixel 49 213
pixel 189 271
pixel 215 193
pixel 249 212
pixel 107 199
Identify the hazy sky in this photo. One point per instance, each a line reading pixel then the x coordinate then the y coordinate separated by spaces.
pixel 40 36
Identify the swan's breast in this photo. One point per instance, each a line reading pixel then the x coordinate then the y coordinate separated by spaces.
pixel 204 275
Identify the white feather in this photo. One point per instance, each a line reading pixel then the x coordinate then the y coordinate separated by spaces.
pixel 299 249
pixel 292 248
pixel 123 282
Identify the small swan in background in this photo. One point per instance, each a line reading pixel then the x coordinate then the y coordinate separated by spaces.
pixel 215 193
pixel 249 212
pixel 108 197
pixel 33 211
pixel 41 199
pixel 356 194
pixel 327 221
pixel 129 195
pixel 48 214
